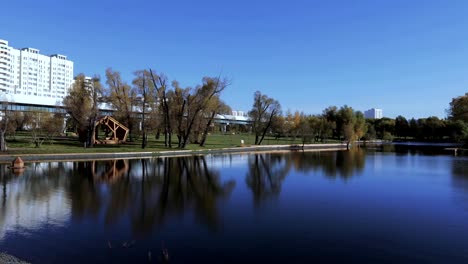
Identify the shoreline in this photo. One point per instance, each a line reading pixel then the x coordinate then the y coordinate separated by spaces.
pixel 167 153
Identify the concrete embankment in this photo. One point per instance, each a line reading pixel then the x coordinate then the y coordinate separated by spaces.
pixel 168 153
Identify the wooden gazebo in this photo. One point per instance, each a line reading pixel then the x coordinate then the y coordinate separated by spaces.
pixel 115 132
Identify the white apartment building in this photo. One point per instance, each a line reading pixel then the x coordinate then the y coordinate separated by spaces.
pixel 373 113
pixel 31 78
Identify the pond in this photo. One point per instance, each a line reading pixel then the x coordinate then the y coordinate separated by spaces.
pixel 373 205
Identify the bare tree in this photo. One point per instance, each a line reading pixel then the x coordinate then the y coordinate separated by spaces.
pixel 44 126
pixel 145 88
pixel 180 99
pixel 160 84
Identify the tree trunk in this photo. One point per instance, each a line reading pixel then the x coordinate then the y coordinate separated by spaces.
pixel 3 146
pixel 91 135
pixel 266 128
pixel 130 128
pixel 166 135
pixel 144 141
pixel 168 138
pixel 180 117
pixel 185 139
pixel 205 132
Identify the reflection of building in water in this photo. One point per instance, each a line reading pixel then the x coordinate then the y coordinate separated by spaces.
pixel 22 210
pixel 109 170
pixel 226 161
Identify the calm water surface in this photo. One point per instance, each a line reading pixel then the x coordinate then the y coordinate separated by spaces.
pixel 300 207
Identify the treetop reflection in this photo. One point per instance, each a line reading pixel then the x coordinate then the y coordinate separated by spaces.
pixel 150 192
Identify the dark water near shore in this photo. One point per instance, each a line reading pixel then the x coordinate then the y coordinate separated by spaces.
pixel 376 206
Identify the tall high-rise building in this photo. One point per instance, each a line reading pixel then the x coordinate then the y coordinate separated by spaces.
pixel 373 113
pixel 29 77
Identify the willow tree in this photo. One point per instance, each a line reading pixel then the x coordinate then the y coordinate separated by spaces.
pixel 198 101
pixel 82 105
pixel 263 112
pixel 352 124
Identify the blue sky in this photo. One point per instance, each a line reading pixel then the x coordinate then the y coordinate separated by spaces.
pixel 406 57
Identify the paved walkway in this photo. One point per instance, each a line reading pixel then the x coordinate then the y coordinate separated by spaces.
pixel 130 155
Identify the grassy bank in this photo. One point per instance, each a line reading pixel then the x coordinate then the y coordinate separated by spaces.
pixel 22 143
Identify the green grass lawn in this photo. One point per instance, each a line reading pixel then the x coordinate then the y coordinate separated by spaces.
pixel 22 143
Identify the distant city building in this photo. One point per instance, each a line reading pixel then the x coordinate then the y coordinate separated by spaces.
pixel 373 113
pixel 238 113
pixel 32 78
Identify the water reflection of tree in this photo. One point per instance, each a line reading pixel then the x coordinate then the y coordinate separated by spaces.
pixel 187 183
pixel 343 164
pixel 38 181
pixel 84 194
pixel 151 191
pixel 4 177
pixel 266 174
pixel 460 181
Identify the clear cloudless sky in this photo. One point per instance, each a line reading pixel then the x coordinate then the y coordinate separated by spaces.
pixel 409 58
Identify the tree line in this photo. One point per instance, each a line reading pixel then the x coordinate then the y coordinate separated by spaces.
pixel 151 104
pixel 348 125
pixel 148 104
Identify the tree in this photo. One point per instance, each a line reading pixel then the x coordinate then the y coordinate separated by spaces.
pixel 401 127
pixel 413 130
pixel 3 124
pixel 352 124
pixel 190 104
pixel 345 123
pixel 145 89
pixel 123 98
pixel 21 120
pixel 370 134
pixel 264 110
pixel 82 105
pixel 178 109
pixel 160 84
pixel 384 125
pixel 330 114
pixel 360 127
pixel 44 126
pixel 459 108
pixel 306 127
pixel 458 130
pixel 434 128
pixel 215 106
